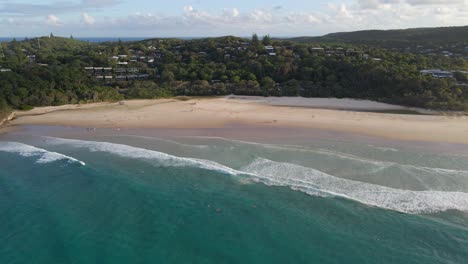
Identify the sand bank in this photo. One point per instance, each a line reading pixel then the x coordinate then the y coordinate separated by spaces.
pixel 265 112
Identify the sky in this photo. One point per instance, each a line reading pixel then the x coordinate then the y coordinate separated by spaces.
pixel 207 18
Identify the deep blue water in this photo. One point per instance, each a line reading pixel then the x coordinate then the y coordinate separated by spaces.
pixel 134 199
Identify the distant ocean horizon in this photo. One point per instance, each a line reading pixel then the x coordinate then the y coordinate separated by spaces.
pixel 124 39
pixel 97 39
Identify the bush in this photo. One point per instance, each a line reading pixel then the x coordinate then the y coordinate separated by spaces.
pixel 25 107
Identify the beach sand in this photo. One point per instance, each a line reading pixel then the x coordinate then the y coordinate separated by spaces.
pixel 335 115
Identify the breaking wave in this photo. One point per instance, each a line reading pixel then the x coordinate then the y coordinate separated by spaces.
pixel 304 179
pixel 315 182
pixel 374 165
pixel 44 156
pixel 162 159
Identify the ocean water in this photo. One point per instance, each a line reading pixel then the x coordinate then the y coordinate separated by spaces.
pixel 126 198
pixel 102 39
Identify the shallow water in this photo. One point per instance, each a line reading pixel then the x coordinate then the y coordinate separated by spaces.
pixel 121 198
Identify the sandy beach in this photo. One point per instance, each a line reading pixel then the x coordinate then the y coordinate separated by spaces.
pixel 342 115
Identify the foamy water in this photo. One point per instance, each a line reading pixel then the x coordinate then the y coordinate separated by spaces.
pixel 42 155
pixel 308 180
pixel 216 200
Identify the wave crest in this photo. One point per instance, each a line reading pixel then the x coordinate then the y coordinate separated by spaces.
pixel 44 156
pixel 308 180
pixel 315 182
pixel 126 151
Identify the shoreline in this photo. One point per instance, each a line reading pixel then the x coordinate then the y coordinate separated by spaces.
pixel 270 113
pixel 9 117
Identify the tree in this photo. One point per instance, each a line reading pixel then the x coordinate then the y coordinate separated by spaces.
pixel 266 40
pixel 4 107
pixel 460 76
pixel 268 83
pixel 167 76
pixel 255 40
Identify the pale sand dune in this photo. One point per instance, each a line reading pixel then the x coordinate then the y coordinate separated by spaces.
pixel 328 103
pixel 271 112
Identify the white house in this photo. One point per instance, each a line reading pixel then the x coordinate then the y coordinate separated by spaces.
pixel 270 49
pixel 437 73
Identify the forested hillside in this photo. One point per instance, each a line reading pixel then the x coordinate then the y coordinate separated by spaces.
pixel 446 37
pixel 442 36
pixel 54 71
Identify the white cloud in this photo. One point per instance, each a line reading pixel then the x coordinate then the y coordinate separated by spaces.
pixel 234 12
pixel 53 20
pixel 261 16
pixel 56 7
pixel 87 19
pixel 338 15
pixel 436 2
pixel 188 8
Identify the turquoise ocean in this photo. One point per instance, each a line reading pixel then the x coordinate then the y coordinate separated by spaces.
pixel 127 198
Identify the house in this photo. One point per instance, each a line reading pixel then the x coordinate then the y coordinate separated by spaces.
pixel 270 49
pixel 114 58
pixel 32 58
pixel 446 53
pixel 437 73
pixel 352 52
pixel 317 49
pixel 122 63
pixel 143 76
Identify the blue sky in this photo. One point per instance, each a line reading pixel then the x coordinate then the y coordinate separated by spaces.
pixel 178 18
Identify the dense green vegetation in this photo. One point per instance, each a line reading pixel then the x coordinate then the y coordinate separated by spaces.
pixel 56 73
pixel 401 38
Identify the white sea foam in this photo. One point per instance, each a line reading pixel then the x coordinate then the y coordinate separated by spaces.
pixel 374 165
pixel 43 156
pixel 315 182
pixel 384 148
pixel 164 140
pixel 308 180
pixel 162 159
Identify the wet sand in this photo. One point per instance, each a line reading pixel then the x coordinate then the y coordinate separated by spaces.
pixel 263 114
